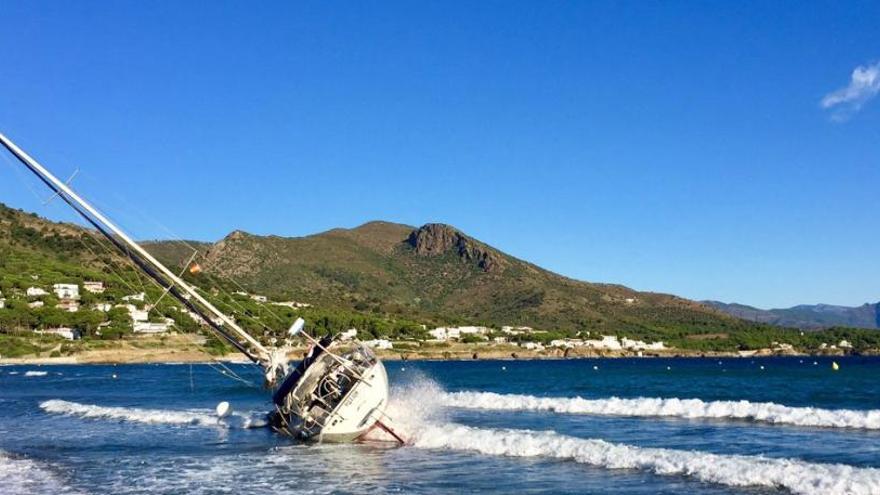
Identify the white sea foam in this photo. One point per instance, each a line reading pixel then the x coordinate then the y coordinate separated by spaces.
pixel 20 475
pixel 202 417
pixel 133 414
pixel 732 470
pixel 35 373
pixel 768 412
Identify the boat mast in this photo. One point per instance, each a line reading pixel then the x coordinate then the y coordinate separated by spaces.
pixel 144 259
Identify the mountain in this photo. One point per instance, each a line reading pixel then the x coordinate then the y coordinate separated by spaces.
pixel 386 279
pixel 438 274
pixel 807 316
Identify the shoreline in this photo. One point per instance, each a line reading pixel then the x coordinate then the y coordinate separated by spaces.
pixel 197 357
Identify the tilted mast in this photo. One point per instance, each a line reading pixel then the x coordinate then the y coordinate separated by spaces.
pixel 150 265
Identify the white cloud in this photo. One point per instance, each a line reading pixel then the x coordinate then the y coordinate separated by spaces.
pixel 864 86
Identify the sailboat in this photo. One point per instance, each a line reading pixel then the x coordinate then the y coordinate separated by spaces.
pixel 337 393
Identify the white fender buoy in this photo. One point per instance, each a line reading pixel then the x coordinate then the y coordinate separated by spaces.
pixel 835 366
pixel 596 368
pixel 223 409
pixel 114 376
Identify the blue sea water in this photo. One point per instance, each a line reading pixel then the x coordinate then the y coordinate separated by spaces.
pixel 772 425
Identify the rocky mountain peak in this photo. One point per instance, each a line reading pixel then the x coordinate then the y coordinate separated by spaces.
pixel 435 239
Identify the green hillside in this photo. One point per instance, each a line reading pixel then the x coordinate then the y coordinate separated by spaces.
pixel 386 279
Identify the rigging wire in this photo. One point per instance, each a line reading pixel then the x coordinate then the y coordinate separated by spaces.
pixel 141 263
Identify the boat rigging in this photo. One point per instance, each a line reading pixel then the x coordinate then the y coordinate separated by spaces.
pixel 336 393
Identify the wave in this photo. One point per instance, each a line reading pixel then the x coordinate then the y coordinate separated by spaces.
pixel 36 373
pixel 20 475
pixel 132 414
pixel 731 470
pixel 767 412
pixel 151 416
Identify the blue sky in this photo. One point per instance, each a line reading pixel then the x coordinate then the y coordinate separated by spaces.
pixel 723 150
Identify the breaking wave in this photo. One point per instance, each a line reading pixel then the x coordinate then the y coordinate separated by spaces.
pixel 23 476
pixel 419 410
pixel 36 373
pixel 149 416
pixel 767 412
pixel 731 470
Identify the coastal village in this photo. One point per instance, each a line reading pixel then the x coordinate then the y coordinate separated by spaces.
pixel 141 318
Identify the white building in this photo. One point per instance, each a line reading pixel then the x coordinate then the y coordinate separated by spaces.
pixel 843 344
pixel 64 332
pixel 349 334
pixel 443 334
pixel 66 291
pixel 94 287
pixel 135 314
pixel 69 305
pixel 638 345
pixel 105 307
pixel 261 299
pixel 151 327
pixel 608 342
pixel 781 346
pixel 379 344
pixel 532 346
pixel 135 297
pixel 36 304
pixel 567 343
pixel 2 303
pixel 516 330
pixel 36 292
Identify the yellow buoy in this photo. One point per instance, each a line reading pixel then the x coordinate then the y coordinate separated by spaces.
pixel 835 366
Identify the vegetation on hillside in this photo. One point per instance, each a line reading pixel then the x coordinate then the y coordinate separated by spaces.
pixel 381 278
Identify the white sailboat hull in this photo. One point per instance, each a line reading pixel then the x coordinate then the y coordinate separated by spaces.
pixel 358 413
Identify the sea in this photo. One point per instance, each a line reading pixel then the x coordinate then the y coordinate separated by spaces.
pixel 622 426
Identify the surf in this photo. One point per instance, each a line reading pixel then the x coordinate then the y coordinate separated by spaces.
pixel 764 412
pixel 731 470
pixel 23 475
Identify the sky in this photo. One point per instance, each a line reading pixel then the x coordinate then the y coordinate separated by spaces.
pixel 713 150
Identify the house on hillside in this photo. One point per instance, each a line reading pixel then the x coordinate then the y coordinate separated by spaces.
pixel 349 334
pixel 442 334
pixel 638 345
pixel 135 297
pixel 532 346
pixel 36 304
pixel 69 305
pixel 2 303
pixel 510 330
pixel 379 344
pixel 63 332
pixel 135 314
pixel 608 342
pixel 36 292
pixel 259 298
pixel 151 327
pixel 66 291
pixel 94 287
